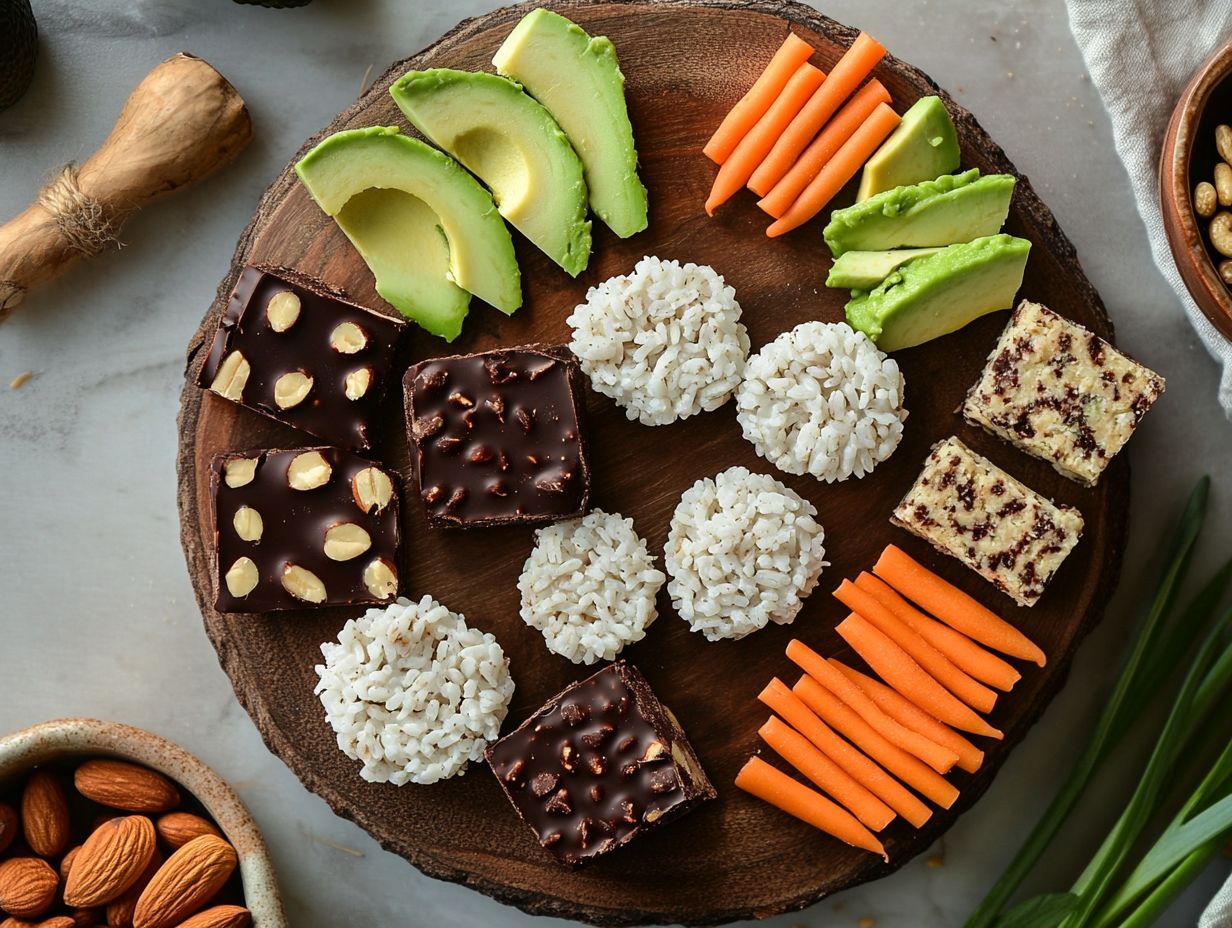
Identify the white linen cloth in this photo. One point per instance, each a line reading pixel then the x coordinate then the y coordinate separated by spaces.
pixel 1140 54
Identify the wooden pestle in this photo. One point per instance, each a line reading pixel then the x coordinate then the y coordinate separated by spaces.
pixel 183 122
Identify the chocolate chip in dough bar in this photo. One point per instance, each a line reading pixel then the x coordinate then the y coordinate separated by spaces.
pixel 1061 393
pixel 966 506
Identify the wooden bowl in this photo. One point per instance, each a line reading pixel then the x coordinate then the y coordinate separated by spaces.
pixel 1188 157
pixel 69 739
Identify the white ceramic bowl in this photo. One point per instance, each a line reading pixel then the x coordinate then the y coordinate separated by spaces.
pixel 70 738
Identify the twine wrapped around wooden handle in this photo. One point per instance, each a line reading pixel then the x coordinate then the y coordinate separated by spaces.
pixel 183 122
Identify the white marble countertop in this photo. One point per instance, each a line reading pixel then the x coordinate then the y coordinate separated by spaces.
pixel 96 615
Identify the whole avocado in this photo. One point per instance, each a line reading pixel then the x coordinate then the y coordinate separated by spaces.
pixel 18 52
pixel 275 4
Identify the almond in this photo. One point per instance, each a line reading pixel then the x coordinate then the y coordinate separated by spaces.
pixel 60 921
pixel 44 814
pixel 110 861
pixel 85 918
pixel 188 880
pixel 8 826
pixel 120 911
pixel 122 785
pixel 220 916
pixel 27 886
pixel 178 828
pixel 67 863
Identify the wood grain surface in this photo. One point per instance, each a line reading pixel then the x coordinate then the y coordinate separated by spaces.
pixel 685 64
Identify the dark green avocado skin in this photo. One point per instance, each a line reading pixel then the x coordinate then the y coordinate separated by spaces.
pixel 18 51
pixel 272 4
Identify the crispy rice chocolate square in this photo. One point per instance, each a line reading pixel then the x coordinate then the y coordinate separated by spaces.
pixel 601 763
pixel 497 437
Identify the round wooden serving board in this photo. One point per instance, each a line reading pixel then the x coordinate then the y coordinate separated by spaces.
pixel 685 64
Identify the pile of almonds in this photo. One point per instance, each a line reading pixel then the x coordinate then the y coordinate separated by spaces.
pixel 142 863
pixel 1211 200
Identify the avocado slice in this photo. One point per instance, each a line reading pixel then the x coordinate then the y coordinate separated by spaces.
pixel 923 146
pixel 380 224
pixel 952 208
pixel 578 79
pixel 512 144
pixel 407 261
pixel 863 270
pixel 934 296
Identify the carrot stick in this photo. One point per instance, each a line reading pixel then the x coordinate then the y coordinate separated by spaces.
pixel 741 163
pixel 798 751
pixel 850 70
pixel 781 791
pixel 845 164
pixel 916 774
pixel 952 606
pixel 778 697
pixel 939 758
pixel 780 184
pixel 895 666
pixel 980 663
pixel 911 716
pixel 753 105
pixel 936 664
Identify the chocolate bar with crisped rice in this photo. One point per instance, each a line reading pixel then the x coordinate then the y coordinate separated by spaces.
pixel 497 437
pixel 601 763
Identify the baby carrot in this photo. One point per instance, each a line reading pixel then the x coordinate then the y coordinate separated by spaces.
pixel 952 606
pixel 896 667
pixel 741 163
pixel 916 774
pixel 781 791
pixel 939 758
pixel 965 653
pixel 845 164
pixel 780 189
pixel 798 751
pixel 778 697
pixel 850 70
pixel 909 715
pixel 753 105
pixel 936 664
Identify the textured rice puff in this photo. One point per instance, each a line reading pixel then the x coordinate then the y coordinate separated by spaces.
pixel 664 342
pixel 822 400
pixel 589 587
pixel 413 692
pixel 743 551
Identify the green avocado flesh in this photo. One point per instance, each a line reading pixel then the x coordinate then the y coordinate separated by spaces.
pixel 863 270
pixel 512 144
pixel 934 296
pixel 577 78
pixel 415 279
pixel 952 208
pixel 924 146
pixel 401 244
